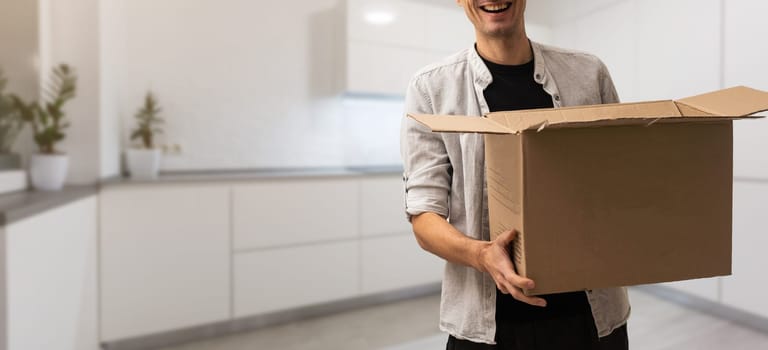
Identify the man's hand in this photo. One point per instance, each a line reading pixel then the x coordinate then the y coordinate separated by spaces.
pixel 493 258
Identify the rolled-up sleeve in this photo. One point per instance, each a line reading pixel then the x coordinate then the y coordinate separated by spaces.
pixel 427 167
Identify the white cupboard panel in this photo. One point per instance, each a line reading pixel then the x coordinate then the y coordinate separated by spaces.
pixel 51 279
pixel 380 69
pixel 677 56
pixel 392 22
pixel 747 288
pixel 165 259
pixel 390 263
pixel 280 279
pixel 382 208
pixel 448 29
pixel 707 288
pixel 290 212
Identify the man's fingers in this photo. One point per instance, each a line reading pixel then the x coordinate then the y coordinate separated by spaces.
pixel 518 281
pixel 502 288
pixel 535 301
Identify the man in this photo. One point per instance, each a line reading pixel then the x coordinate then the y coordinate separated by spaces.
pixel 482 304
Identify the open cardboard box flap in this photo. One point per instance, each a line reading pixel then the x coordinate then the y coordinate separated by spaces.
pixel 728 104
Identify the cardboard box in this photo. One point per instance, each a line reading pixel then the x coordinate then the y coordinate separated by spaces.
pixel 613 195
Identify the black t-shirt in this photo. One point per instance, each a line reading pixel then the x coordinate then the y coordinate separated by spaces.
pixel 514 88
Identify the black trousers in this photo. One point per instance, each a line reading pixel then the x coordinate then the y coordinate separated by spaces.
pixel 572 332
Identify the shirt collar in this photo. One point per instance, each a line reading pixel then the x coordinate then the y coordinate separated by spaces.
pixel 483 76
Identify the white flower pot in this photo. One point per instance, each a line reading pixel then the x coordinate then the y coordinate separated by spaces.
pixel 48 171
pixel 143 164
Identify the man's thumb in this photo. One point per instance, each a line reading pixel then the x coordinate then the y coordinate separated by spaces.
pixel 507 237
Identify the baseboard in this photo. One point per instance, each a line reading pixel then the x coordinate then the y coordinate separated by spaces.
pixel 719 310
pixel 266 320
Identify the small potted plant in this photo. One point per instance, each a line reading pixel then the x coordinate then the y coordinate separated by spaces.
pixel 48 168
pixel 144 160
pixel 10 125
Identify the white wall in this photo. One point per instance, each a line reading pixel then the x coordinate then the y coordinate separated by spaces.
pixel 746 54
pixel 81 33
pixel 244 87
pixel 241 85
pixel 109 118
pixel 660 49
pixel 655 49
pixel 70 35
pixel 18 54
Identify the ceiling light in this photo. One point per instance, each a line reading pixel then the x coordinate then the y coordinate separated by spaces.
pixel 379 17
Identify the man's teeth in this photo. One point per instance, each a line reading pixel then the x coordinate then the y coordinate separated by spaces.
pixel 496 7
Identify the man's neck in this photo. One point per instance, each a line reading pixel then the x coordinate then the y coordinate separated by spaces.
pixel 514 50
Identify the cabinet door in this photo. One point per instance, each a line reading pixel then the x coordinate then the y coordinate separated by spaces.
pixel 389 22
pixel 51 279
pixel 381 69
pixel 285 278
pixel 746 289
pixel 300 211
pixel 382 208
pixel 447 29
pixel 165 258
pixel 390 263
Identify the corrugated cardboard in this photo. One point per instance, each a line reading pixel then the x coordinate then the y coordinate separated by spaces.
pixel 613 195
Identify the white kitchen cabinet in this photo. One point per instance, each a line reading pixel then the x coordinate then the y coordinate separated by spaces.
pixel 279 279
pixel 51 287
pixel 382 207
pixel 279 213
pixel 447 28
pixel 165 258
pixel 388 22
pixel 388 41
pixel 746 289
pixel 381 69
pixel 397 262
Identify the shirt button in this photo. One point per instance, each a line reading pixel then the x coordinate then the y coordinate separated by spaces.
pixel 557 98
pixel 538 77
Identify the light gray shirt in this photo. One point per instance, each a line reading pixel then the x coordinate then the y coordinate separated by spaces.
pixel 444 173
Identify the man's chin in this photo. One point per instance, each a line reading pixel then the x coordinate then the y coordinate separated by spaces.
pixel 495 31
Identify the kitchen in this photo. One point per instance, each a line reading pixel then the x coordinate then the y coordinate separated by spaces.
pixel 280 153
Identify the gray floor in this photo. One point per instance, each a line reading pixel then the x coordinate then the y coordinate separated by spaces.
pixel 411 325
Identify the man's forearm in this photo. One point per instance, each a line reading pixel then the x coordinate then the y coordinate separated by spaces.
pixel 439 237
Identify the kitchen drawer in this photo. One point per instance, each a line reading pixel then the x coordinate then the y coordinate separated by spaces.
pixel 285 278
pixel 397 262
pixel 382 208
pixel 280 213
pixel 165 259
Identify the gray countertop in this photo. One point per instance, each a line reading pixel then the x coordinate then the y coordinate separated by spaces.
pixel 256 174
pixel 19 205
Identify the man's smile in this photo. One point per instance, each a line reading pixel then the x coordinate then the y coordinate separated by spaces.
pixel 496 7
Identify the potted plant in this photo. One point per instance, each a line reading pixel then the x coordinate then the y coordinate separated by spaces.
pixel 10 125
pixel 144 160
pixel 48 167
